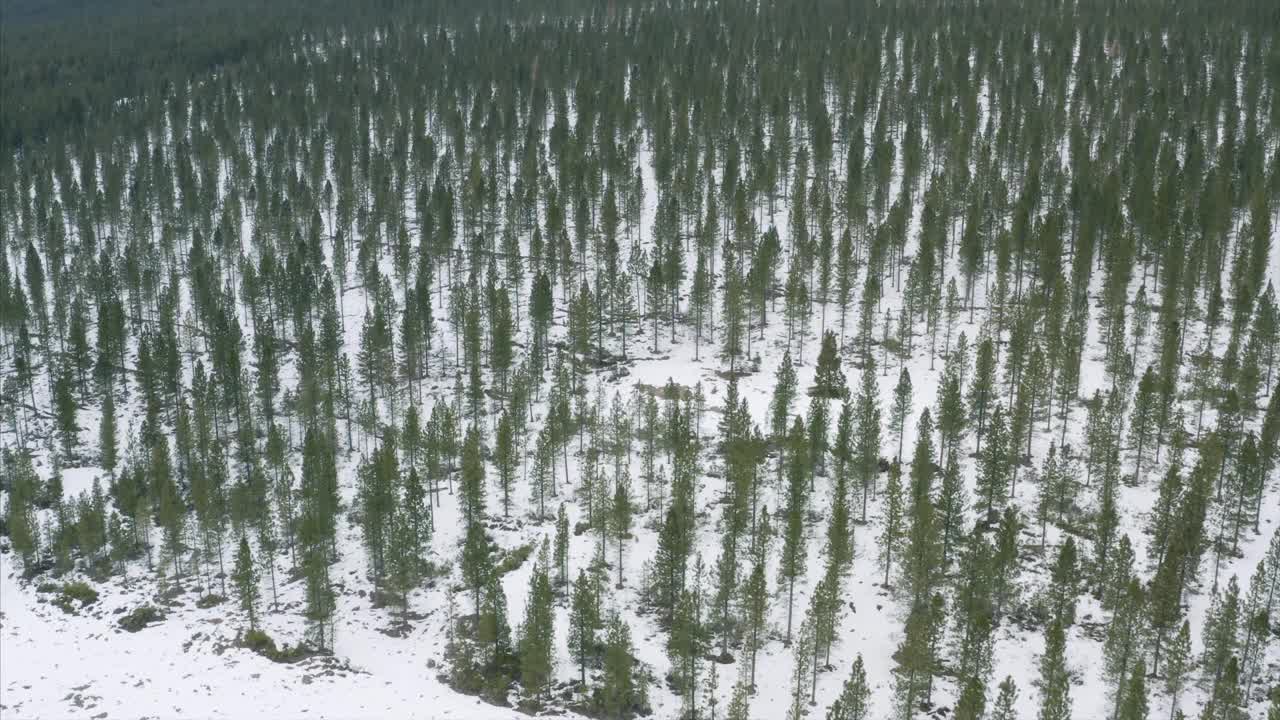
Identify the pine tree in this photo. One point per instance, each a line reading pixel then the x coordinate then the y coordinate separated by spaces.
pixel 620 517
pixel 562 547
pixel 1220 634
pixel 802 669
pixel 915 657
pixel 840 530
pixel 784 393
pixel 1055 681
pixel 1064 585
pixel 656 295
pixel 922 553
pixel 473 484
pixel 315 535
pixel 1006 707
pixel 755 604
pixel 1143 420
pixel 542 478
pixel 973 700
pixel 740 703
pixel 829 379
pixel 66 410
pixel 993 476
pixel 1224 697
pixel 794 552
pixel 901 407
pixel 952 501
pixel 622 688
pixel 982 389
pixel 952 420
pixel 1135 695
pixel 817 435
pixel 1178 666
pixel 852 702
pixel 477 561
pixel 1255 616
pixel 505 457
pixel 1125 641
pixel 493 638
pixel 686 643
pixel 891 532
pixel 245 577
pixel 583 621
pixel 107 442
pixel 867 449
pixel 712 691
pixel 537 634
pixel 402 557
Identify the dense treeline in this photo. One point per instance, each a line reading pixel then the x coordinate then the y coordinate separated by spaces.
pixel 363 272
pixel 67 65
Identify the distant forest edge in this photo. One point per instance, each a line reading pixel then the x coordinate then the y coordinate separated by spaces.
pixel 63 61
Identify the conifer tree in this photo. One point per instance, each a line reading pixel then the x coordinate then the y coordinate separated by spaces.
pixel 915 657
pixel 477 561
pixel 1224 696
pixel 1125 641
pixel 622 688
pixel 1143 420
pixel 402 557
pixel 1178 666
pixel 473 485
pixel 829 378
pixel 537 634
pixel 1135 695
pixel 922 552
pixel 901 407
pixel 755 604
pixel 739 703
pixel 1064 585
pixel 784 393
pixel 583 622
pixel 686 643
pixel 972 702
pixel 562 547
pixel 793 551
pixel 952 420
pixel 982 389
pixel 1220 636
pixel 620 517
pixel 802 669
pixel 993 476
pixel 891 532
pixel 1055 681
pixel 245 577
pixel 951 504
pixel 107 443
pixel 867 446
pixel 852 701
pixel 1006 707
pixel 505 457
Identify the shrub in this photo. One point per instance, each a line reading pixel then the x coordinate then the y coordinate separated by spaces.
pixel 260 642
pixel 210 600
pixel 72 596
pixel 141 617
pixel 80 591
pixel 514 558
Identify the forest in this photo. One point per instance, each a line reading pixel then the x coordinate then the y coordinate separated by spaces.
pixel 688 360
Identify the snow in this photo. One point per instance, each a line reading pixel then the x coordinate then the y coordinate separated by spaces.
pixel 57 665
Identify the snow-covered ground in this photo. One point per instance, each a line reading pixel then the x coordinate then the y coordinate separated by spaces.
pixel 54 664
